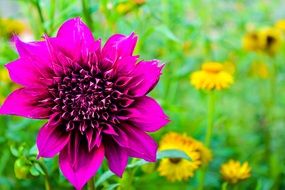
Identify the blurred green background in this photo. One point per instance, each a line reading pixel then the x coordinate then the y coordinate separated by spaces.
pixel 249 119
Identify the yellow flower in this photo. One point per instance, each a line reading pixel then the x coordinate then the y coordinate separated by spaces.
pixel 269 40
pixel 124 8
pixel 11 26
pixel 259 69
pixel 206 154
pixel 4 76
pixel 280 25
pixel 230 67
pixel 233 171
pixel 127 6
pixel 266 40
pixel 4 80
pixel 177 169
pixel 213 76
pixel 250 41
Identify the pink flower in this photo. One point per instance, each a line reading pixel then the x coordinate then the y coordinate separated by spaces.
pixel 94 99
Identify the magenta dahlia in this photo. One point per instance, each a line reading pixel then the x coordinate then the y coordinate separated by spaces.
pixel 93 98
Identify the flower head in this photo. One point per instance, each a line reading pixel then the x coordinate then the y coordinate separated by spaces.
pixel 212 76
pixel 233 171
pixel 177 169
pixel 4 76
pixel 93 97
pixel 266 40
pixel 280 25
pixel 259 69
pixel 129 5
pixel 269 40
pixel 250 41
pixel 206 154
pixel 11 26
pixel 229 67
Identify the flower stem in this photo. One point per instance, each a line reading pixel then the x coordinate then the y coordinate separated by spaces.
pixel 47 182
pixel 86 13
pixel 39 10
pixel 225 186
pixel 211 110
pixel 273 84
pixel 51 14
pixel 210 124
pixel 235 187
pixel 272 160
pixel 90 184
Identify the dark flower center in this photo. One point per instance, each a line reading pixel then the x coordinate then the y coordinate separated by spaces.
pixel 270 40
pixel 85 99
pixel 175 160
pixel 254 36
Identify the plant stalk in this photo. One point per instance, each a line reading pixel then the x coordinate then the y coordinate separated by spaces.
pixel 210 124
pixel 90 184
pixel 86 13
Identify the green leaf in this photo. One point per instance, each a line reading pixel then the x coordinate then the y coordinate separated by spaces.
pixel 113 186
pixel 168 33
pixel 106 175
pixel 34 171
pixel 33 150
pixel 173 153
pixel 14 151
pixel 39 168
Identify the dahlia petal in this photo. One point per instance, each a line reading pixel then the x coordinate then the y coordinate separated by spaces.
pixel 24 72
pixel 75 39
pixel 36 51
pixel 109 130
pixel 119 46
pixel 146 75
pixel 51 140
pixel 22 103
pixel 137 142
pixel 147 114
pixel 117 158
pixel 88 164
pixel 126 65
pixel 33 66
pixel 94 138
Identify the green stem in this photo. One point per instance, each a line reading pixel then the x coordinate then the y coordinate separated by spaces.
pixel 39 10
pixel 210 124
pixel 86 13
pixel 270 117
pixel 51 14
pixel 131 174
pixel 272 159
pixel 90 184
pixel 235 187
pixel 202 178
pixel 47 182
pixel 225 186
pixel 273 85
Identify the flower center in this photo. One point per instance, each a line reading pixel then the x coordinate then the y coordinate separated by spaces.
pixel 85 98
pixel 270 40
pixel 175 160
pixel 212 67
pixel 253 36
